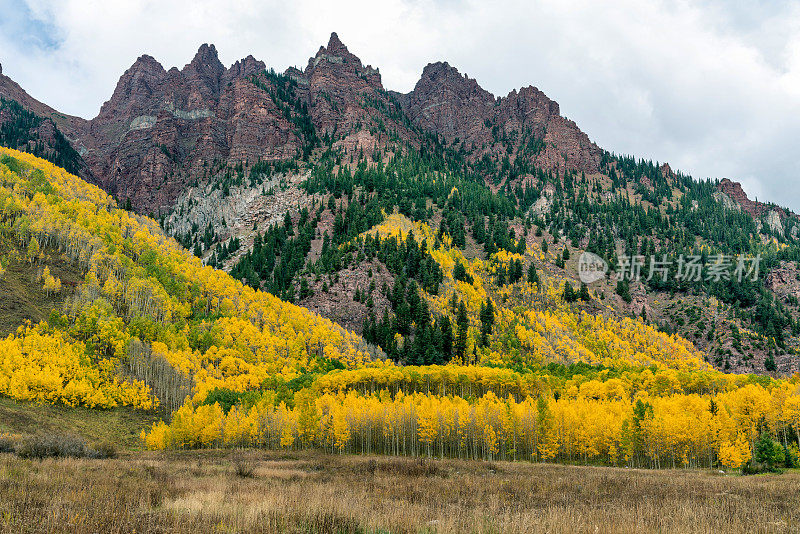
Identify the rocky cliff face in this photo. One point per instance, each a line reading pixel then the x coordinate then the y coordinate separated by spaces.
pixel 451 105
pixel 779 220
pixel 735 192
pixel 524 122
pixel 162 130
pixel 336 82
pixel 347 101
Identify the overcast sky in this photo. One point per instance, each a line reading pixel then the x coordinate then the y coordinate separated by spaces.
pixel 712 87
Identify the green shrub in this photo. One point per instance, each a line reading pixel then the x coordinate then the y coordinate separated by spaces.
pixel 768 458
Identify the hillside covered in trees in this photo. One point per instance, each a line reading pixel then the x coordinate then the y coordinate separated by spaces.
pixel 278 177
pixel 521 372
pixel 329 264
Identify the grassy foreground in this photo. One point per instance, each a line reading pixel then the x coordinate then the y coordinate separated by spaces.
pixel 256 491
pixel 120 426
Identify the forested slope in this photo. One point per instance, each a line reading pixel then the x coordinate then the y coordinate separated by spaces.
pixel 148 323
pixel 144 308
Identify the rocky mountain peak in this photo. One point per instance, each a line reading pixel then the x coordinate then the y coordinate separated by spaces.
pixel 335 44
pixel 145 64
pixel 205 63
pixel 135 86
pixel 203 77
pixel 334 83
pixel 442 77
pixel 458 108
pixel 756 209
pixel 206 57
pixel 246 67
pixel 537 99
pixel 336 55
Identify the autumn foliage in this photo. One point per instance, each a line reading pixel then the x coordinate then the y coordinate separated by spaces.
pixel 141 286
pixel 531 376
pixel 599 423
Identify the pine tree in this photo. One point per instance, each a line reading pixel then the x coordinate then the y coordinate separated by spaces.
pixel 584 293
pixel 533 276
pixel 569 293
pixel 487 319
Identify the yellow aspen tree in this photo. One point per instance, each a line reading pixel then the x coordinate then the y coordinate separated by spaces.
pixel 792 410
pixel 33 250
pixel 427 421
pixel 340 428
pixel 735 454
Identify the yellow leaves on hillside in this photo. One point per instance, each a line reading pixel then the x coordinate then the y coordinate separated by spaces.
pixel 550 332
pixel 735 454
pixel 398 225
pixel 473 380
pixel 561 335
pixel 51 284
pixel 654 402
pixel 33 250
pixel 43 367
pixel 136 273
pixel 676 431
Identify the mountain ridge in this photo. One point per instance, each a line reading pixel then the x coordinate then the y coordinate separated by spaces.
pixel 278 178
pixel 205 85
pixel 127 162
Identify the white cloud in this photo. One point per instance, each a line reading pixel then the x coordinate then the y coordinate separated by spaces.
pixel 711 86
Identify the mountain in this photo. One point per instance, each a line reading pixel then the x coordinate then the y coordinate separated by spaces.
pixel 385 212
pixel 337 266
pixel 157 323
pixel 773 216
pixel 339 91
pixel 138 324
pixel 523 124
pixel 161 130
pixel 10 90
pixel 29 125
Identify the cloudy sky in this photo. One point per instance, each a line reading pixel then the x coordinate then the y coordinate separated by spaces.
pixel 713 86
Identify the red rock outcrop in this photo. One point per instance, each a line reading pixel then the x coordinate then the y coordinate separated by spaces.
pixel 753 207
pixel 451 105
pixel 161 130
pixel 459 110
pixel 344 98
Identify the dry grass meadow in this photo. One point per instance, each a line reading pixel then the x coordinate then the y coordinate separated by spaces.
pixel 256 491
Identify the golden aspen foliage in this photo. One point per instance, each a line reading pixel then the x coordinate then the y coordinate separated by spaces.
pixel 239 367
pixel 51 284
pixel 33 250
pixel 735 454
pixel 142 286
pixel 39 366
pixel 677 430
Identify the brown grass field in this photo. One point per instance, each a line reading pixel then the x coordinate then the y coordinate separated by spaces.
pixel 256 491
